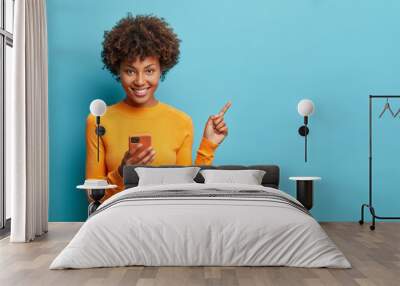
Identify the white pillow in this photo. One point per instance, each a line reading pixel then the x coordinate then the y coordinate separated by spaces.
pixel 249 177
pixel 162 176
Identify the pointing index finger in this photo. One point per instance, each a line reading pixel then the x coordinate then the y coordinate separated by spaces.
pixel 225 108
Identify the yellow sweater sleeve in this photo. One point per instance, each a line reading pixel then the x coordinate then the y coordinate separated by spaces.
pixel 97 169
pixel 205 153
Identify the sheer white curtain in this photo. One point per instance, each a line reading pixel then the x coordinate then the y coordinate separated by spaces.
pixel 27 124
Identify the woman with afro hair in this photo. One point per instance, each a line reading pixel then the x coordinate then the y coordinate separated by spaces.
pixel 139 51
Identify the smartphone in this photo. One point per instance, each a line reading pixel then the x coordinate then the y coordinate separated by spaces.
pixel 143 139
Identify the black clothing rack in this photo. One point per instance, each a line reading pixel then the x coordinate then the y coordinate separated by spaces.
pixel 369 205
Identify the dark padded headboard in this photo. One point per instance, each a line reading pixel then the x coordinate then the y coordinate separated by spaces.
pixel 270 179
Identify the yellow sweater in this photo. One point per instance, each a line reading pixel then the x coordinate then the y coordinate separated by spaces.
pixel 172 139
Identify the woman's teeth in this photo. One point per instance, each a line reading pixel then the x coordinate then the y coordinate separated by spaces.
pixel 140 92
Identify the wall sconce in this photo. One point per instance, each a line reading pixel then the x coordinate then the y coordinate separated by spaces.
pixel 305 108
pixel 98 108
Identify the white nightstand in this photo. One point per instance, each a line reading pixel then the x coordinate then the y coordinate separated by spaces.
pixel 304 190
pixel 96 189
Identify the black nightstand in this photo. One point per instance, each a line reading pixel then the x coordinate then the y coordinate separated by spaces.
pixel 96 195
pixel 304 190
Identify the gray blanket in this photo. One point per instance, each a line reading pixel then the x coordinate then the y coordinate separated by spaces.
pixel 204 194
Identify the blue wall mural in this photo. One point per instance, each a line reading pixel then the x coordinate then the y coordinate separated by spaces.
pixel 264 56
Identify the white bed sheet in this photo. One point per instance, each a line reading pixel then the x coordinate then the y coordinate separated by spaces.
pixel 200 231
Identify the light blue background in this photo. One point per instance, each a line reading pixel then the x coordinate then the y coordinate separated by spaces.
pixel 264 56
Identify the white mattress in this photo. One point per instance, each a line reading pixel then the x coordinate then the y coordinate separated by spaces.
pixel 200 231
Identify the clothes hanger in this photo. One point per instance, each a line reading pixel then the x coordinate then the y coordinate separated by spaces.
pixel 387 107
pixel 397 113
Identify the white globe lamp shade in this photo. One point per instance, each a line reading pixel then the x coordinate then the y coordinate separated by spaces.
pixel 98 107
pixel 305 107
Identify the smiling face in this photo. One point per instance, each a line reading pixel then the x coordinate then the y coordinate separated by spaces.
pixel 140 80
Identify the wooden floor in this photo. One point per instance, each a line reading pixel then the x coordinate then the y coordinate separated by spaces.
pixel 374 255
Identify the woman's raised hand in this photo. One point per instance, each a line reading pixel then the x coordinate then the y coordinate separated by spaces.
pixel 137 156
pixel 216 129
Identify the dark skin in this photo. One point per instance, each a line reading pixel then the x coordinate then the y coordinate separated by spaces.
pixel 140 80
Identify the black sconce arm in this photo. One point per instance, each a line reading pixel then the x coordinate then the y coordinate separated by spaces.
pixel 303 131
pixel 100 131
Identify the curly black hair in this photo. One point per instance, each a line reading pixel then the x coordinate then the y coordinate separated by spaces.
pixel 140 37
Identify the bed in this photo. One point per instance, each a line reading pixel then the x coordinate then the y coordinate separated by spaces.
pixel 201 224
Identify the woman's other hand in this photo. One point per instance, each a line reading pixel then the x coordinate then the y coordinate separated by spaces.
pixel 216 129
pixel 137 156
